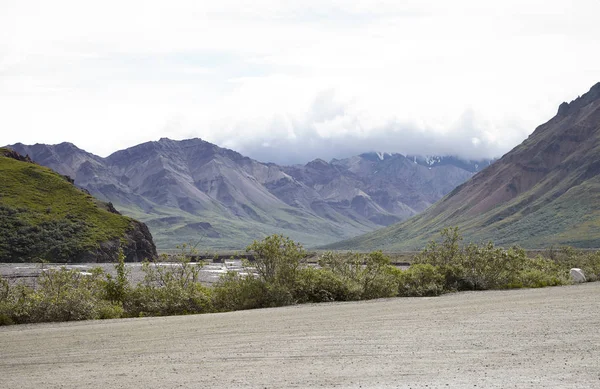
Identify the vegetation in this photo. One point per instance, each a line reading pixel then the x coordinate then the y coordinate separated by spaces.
pixel 281 276
pixel 44 216
pixel 169 289
pixel 480 267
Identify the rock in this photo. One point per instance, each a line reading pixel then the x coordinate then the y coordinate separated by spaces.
pixel 139 244
pixel 563 109
pixel 577 275
pixel 14 155
pixel 111 208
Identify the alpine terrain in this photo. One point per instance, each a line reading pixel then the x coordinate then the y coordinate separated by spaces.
pixel 194 191
pixel 544 192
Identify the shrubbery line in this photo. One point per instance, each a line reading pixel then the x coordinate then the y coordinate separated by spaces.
pixel 280 276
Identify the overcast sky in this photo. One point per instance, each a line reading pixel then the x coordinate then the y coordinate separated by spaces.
pixel 289 81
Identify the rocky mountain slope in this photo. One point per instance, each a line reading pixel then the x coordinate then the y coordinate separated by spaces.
pixel 192 190
pixel 544 192
pixel 43 216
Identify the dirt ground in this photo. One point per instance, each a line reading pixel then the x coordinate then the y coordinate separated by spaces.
pixel 544 338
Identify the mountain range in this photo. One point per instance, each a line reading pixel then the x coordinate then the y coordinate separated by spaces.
pixel 544 192
pixel 194 191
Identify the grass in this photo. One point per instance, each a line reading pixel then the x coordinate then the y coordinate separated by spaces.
pixel 44 214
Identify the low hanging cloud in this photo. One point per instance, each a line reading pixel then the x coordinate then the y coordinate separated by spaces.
pixel 336 129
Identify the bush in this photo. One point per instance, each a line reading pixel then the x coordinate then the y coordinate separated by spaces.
pixel 473 267
pixel 371 274
pixel 171 299
pixel 589 262
pixel 62 295
pixel 323 285
pixel 279 278
pixel 236 292
pixel 172 289
pixel 489 267
pixel 269 281
pixel 540 272
pixel 5 302
pixel 277 259
pixel 420 280
pixel 117 289
pixel 591 266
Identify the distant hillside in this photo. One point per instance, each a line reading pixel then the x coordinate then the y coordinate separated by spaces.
pixel 544 192
pixel 43 216
pixel 192 190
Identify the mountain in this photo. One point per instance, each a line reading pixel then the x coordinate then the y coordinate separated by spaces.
pixel 544 192
pixel 44 216
pixel 192 190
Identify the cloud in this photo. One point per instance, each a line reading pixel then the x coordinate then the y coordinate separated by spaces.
pixel 291 81
pixel 334 129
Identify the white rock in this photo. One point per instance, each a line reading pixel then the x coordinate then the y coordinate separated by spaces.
pixel 577 275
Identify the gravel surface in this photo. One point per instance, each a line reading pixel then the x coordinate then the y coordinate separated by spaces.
pixel 500 339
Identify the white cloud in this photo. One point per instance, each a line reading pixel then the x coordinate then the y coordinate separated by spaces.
pixel 309 78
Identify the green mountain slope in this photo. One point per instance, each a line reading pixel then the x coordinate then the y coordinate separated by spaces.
pixel 544 192
pixel 44 216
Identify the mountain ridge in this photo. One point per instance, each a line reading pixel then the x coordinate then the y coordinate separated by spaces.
pixel 215 191
pixel 542 192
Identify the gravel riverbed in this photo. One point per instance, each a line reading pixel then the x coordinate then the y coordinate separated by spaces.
pixel 542 338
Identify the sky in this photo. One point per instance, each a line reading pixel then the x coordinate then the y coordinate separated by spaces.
pixel 290 81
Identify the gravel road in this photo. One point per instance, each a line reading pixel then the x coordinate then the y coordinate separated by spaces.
pixel 544 338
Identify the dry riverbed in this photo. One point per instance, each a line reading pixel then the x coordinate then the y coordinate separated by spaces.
pixel 29 272
pixel 500 339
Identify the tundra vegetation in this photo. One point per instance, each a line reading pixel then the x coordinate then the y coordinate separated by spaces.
pixel 44 216
pixel 281 276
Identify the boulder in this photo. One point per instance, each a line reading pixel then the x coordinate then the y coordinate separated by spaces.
pixel 577 275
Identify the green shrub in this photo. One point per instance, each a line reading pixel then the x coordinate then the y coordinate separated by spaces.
pixel 116 289
pixel 589 262
pixel 591 266
pixel 536 279
pixel 237 292
pixel 377 277
pixel 6 307
pixel 169 289
pixel 110 311
pixel 171 299
pixel 370 273
pixel 323 285
pixel 489 267
pixel 269 281
pixel 347 266
pixel 420 280
pixel 5 317
pixel 277 259
pixel 62 295
pixel 4 289
pixel 540 272
pixel 472 267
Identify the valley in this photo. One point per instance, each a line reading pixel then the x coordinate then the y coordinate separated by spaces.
pixel 192 191
pixel 544 192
